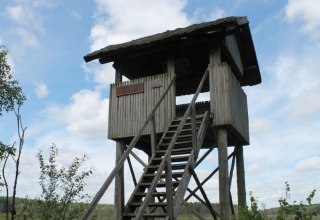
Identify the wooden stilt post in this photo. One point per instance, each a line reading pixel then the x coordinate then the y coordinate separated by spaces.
pixel 119 184
pixel 222 139
pixel 224 199
pixel 119 178
pixel 241 183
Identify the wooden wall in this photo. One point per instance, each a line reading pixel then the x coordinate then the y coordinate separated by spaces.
pixel 228 102
pixel 232 45
pixel 127 113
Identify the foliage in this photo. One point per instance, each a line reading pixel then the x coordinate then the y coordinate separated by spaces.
pixel 5 152
pixel 61 187
pixel 10 93
pixel 253 212
pixel 298 211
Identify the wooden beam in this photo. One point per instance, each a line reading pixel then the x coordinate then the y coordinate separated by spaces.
pixel 118 76
pixel 224 196
pixel 119 183
pixel 132 172
pixel 222 139
pixel 138 159
pixel 230 182
pixel 170 62
pixel 204 156
pixel 153 135
pixel 192 193
pixel 241 183
pixel 213 213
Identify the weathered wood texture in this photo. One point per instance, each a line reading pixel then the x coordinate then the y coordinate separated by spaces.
pixel 241 182
pixel 224 197
pixel 119 183
pixel 127 113
pixel 233 48
pixel 228 101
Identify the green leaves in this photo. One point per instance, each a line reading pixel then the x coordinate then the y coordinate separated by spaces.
pixel 298 211
pixel 10 93
pixel 61 187
pixel 253 212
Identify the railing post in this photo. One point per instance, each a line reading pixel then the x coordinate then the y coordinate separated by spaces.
pixel 153 134
pixel 169 187
pixel 194 128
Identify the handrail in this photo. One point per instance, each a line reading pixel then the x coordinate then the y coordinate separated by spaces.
pixel 121 161
pixel 170 147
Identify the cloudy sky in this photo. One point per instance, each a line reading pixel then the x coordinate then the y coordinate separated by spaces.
pixel 67 99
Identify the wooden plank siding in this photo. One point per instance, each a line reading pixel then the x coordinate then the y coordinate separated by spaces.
pixel 127 113
pixel 228 102
pixel 232 46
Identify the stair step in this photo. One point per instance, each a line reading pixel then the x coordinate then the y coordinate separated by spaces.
pixel 150 204
pixel 178 119
pixel 178 143
pixel 187 124
pixel 143 194
pixel 178 151
pixel 174 174
pixel 183 131
pixel 162 184
pixel 187 136
pixel 173 166
pixel 174 159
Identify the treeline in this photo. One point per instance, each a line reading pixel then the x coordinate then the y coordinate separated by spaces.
pixel 106 211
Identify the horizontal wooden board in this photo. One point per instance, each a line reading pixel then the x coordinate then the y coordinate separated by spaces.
pixel 130 89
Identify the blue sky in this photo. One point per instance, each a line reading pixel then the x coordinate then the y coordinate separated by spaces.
pixel 67 99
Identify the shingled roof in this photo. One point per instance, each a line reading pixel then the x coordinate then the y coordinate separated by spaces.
pixel 221 26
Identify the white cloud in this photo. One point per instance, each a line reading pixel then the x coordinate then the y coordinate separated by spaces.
pixel 203 14
pixel 306 11
pixel 261 124
pixel 41 90
pixel 28 20
pixel 256 168
pixel 112 26
pixel 86 115
pixel 307 103
pixel 309 164
pixel 217 13
pixel 16 13
pixel 101 74
pixel 27 37
pixel 146 17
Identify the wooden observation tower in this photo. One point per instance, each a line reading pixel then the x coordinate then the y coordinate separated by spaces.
pixel 216 57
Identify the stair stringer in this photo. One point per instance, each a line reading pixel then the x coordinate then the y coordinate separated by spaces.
pixel 184 182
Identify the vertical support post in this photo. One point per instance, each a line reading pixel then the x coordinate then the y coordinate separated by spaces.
pixel 118 76
pixel 224 196
pixel 119 183
pixel 170 62
pixel 241 183
pixel 222 142
pixel 168 169
pixel 153 135
pixel 119 178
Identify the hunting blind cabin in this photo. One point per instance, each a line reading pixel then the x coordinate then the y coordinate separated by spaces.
pixel 216 57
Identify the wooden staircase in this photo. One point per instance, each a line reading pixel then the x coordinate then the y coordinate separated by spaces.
pixel 161 196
